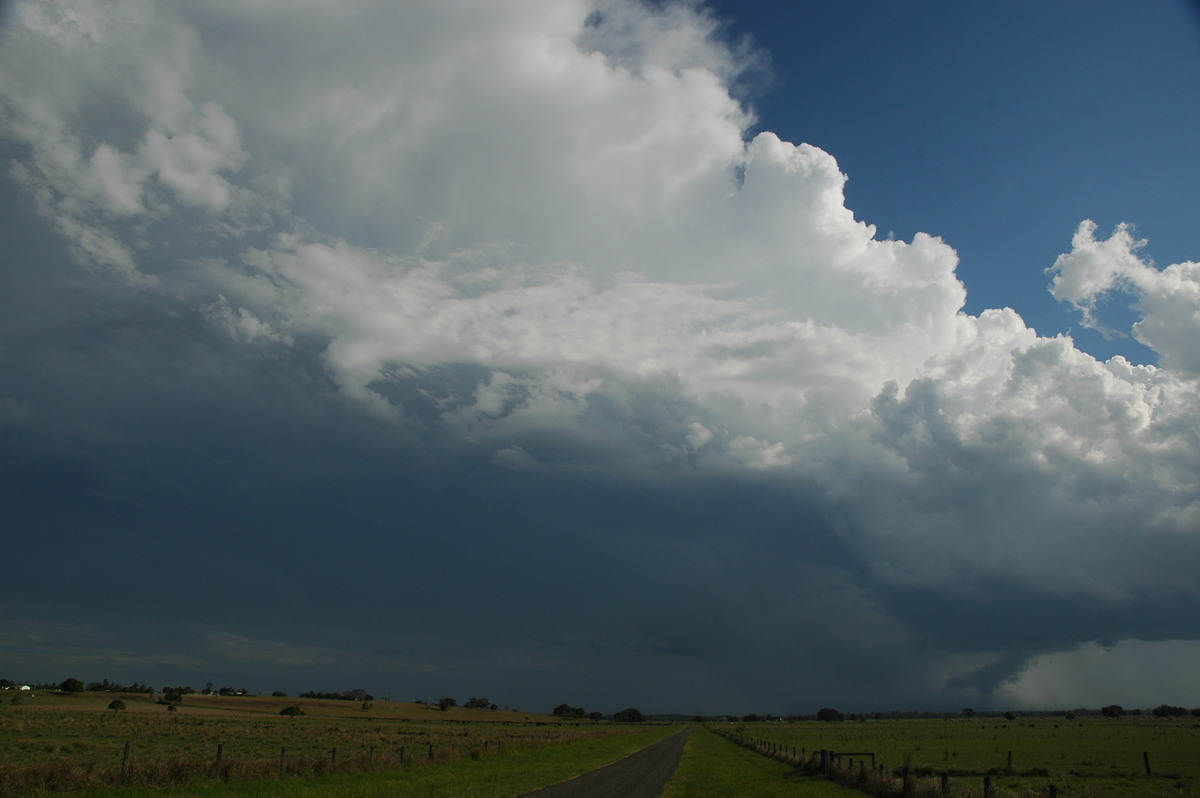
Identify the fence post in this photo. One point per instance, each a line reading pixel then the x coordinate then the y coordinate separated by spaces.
pixel 1146 762
pixel 945 783
pixel 371 759
pixel 1052 791
pixel 987 787
pixel 333 758
pixel 282 762
pixel 125 757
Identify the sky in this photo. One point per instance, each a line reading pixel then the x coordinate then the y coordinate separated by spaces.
pixel 704 358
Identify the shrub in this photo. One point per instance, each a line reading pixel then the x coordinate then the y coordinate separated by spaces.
pixel 292 710
pixel 117 704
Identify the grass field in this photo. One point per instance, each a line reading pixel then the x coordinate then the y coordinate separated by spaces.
pixel 714 767
pixel 52 744
pixel 1097 757
pixel 72 743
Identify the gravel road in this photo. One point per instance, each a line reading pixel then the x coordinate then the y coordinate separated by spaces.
pixel 640 775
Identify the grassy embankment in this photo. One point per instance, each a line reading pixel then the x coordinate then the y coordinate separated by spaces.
pixel 713 767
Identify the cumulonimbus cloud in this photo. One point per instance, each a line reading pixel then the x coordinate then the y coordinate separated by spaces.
pixel 564 197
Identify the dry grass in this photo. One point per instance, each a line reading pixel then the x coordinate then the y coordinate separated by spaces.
pixel 53 743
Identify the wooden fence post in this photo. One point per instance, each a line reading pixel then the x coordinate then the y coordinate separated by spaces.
pixel 945 783
pixel 333 758
pixel 1146 762
pixel 987 787
pixel 125 758
pixel 282 762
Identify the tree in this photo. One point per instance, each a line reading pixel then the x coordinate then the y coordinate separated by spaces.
pixel 968 712
pixel 629 715
pixel 1166 711
pixel 446 703
pixel 71 686
pixel 477 703
pixel 117 704
pixel 279 694
pixel 828 713
pixel 1112 711
pixel 568 711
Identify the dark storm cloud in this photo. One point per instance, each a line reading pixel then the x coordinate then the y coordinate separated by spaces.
pixel 534 377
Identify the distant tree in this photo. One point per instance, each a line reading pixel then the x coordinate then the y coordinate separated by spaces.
pixel 291 711
pixel 71 686
pixel 1112 711
pixel 1167 711
pixel 828 713
pixel 446 702
pixel 172 697
pixel 1010 715
pixel 1070 716
pixel 279 694
pixel 968 712
pixel 629 715
pixel 117 704
pixel 477 703
pixel 595 716
pixel 568 711
pixel 7 684
pixel 1196 712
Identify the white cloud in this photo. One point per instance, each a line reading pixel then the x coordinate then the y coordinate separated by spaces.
pixel 565 210
pixel 1168 299
pixel 1092 675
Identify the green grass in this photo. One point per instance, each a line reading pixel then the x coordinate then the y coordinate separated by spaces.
pixel 713 767
pixel 68 744
pixel 509 775
pixel 1097 757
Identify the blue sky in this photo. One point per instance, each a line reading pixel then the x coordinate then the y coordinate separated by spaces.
pixel 542 350
pixel 997 126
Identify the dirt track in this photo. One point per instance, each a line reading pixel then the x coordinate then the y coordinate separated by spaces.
pixel 640 775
